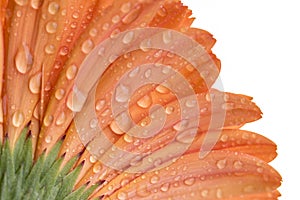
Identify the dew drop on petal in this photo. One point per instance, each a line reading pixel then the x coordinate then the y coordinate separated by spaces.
pixel 93 32
pixel 115 128
pixel 221 164
pixel 162 89
pixel 59 94
pixel 36 4
pixel 191 103
pixel 18 119
pixel 180 126
pixel 204 193
pixel 96 169
pixel 48 139
pixel 115 19
pixel 169 110
pixel 165 187
pixel 154 179
pixel 75 15
pixel 93 159
pixel 50 49
pixel 237 164
pixel 99 104
pixel 125 8
pixel 122 93
pixel 122 196
pixel 76 100
pixel 219 193
pixel 162 11
pixel 21 2
pixel 53 8
pixel 51 27
pixel 35 83
pixel 87 46
pixel 167 37
pixel 132 15
pixel 189 181
pixel 134 72
pixel 145 101
pixel 23 58
pixel 60 119
pixel 71 72
pixel 48 120
pixel 128 37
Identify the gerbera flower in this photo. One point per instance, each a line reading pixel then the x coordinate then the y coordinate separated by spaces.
pixel 114 100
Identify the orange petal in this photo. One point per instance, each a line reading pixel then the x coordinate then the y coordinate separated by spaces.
pixel 220 175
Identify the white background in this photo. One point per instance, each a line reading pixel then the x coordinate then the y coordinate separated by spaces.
pixel 258 43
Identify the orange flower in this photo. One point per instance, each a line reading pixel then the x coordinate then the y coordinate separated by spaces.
pixel 91 74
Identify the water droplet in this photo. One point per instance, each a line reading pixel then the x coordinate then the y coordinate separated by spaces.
pixel 76 100
pixel 191 103
pixel 100 104
pixel 105 26
pixel 23 58
pixel 51 27
pixel 93 32
pixel 93 159
pixel 237 164
pixel 128 37
pixel 59 94
pixel 122 196
pixel 115 128
pixel 162 11
pixel 224 138
pixel 221 164
pixel 228 106
pixel 96 169
pixel 50 49
pixel 93 123
pixel 169 110
pixel 132 15
pixel 19 13
pixel 87 46
pixel 60 119
pixel 63 51
pixel 165 187
pixel 115 19
pixel 114 33
pixel 122 93
pixel 18 119
pixel 145 101
pixel 73 25
pixel 36 4
pixel 145 45
pixel 167 37
pixel 189 181
pixel 128 138
pixel 48 139
pixel 260 170
pixel 75 15
pixel 180 126
pixel 148 73
pixel 35 83
pixel 219 193
pixel 53 8
pixel 154 179
pixel 204 193
pixel 134 72
pixel 48 120
pixel 71 72
pixel 166 69
pixel 162 89
pixel 21 2
pixel 125 8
